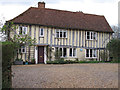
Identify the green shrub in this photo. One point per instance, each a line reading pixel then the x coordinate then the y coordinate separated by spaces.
pixel 33 61
pixel 104 55
pixel 7 60
pixel 17 59
pixel 73 62
pixel 114 49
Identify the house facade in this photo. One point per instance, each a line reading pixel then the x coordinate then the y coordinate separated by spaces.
pixel 76 34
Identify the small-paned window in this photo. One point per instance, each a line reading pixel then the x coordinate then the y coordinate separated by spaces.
pixel 22 49
pixel 91 53
pixel 57 33
pixel 61 34
pixel 72 52
pixel 23 30
pixel 64 52
pixel 64 34
pixel 91 36
pixel 41 32
pixel 61 51
pixel 88 35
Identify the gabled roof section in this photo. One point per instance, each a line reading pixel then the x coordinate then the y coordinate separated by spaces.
pixel 63 19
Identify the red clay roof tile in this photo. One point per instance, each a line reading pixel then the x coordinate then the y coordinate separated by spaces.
pixel 63 19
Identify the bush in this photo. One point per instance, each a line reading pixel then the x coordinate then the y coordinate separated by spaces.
pixel 33 61
pixel 7 60
pixel 60 61
pixel 72 62
pixel 113 46
pixel 17 59
pixel 104 55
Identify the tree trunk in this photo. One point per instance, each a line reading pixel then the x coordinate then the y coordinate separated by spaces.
pixel 29 53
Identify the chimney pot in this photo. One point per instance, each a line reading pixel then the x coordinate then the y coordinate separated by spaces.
pixel 41 4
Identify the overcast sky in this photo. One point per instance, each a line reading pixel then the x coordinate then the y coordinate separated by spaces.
pixel 109 8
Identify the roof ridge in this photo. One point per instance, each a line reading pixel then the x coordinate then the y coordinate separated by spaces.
pixel 57 10
pixel 69 11
pixel 93 14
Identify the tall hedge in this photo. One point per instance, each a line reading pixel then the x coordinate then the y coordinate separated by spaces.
pixel 114 49
pixel 7 59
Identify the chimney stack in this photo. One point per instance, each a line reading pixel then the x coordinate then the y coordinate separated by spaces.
pixel 41 4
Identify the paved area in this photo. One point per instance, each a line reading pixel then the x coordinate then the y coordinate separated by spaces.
pixel 66 76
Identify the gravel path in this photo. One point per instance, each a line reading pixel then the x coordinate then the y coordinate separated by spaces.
pixel 66 76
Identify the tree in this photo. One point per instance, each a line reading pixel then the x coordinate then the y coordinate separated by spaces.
pixel 9 49
pixel 114 49
pixel 116 33
pixel 58 54
pixel 19 39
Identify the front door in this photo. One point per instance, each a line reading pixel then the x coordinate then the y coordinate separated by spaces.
pixel 40 54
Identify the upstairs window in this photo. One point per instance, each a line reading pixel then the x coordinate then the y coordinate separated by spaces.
pixel 23 30
pixel 61 34
pixel 91 53
pixel 41 32
pixel 91 36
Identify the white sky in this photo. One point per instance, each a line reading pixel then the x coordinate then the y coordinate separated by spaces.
pixel 109 8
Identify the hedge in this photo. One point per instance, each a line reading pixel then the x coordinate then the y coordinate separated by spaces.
pixel 76 61
pixel 7 59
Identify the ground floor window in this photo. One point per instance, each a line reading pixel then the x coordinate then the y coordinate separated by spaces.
pixel 72 52
pixel 91 53
pixel 22 50
pixel 61 51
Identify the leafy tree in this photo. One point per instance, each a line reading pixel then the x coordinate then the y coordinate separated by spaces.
pixel 20 39
pixel 116 33
pixel 58 54
pixel 114 49
pixel 9 49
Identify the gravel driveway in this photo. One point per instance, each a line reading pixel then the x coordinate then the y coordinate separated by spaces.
pixel 100 75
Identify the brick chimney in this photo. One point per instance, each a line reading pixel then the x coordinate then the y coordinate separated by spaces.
pixel 41 4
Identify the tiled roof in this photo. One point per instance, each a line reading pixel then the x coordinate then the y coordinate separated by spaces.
pixel 63 19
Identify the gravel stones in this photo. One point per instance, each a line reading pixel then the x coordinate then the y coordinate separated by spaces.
pixel 102 75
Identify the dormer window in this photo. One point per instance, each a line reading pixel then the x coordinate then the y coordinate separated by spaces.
pixel 91 36
pixel 23 30
pixel 41 32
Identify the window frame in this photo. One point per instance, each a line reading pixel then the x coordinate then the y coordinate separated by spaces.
pixel 23 30
pixel 40 32
pixel 58 33
pixel 73 52
pixel 58 48
pixel 94 52
pixel 92 35
pixel 21 49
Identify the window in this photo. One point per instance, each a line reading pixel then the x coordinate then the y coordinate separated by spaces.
pixel 91 36
pixel 91 53
pixel 62 51
pixel 57 33
pixel 22 49
pixel 61 34
pixel 72 52
pixel 23 30
pixel 41 32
